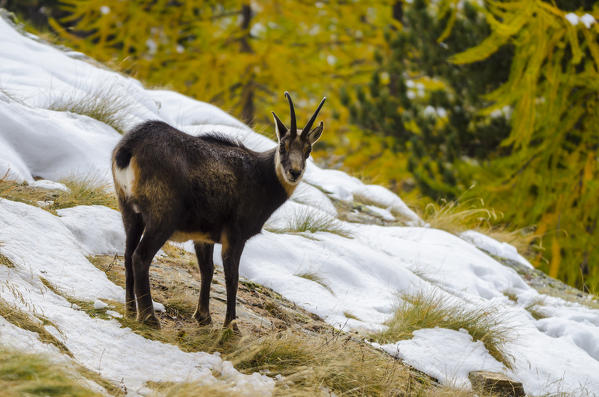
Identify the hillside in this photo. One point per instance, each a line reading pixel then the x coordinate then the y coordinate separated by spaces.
pixel 342 255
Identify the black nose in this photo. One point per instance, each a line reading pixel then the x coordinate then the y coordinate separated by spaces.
pixel 295 173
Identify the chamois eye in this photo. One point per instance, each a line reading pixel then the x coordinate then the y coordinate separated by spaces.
pixel 307 154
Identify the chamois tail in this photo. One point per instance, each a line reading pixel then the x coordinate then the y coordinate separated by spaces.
pixel 122 157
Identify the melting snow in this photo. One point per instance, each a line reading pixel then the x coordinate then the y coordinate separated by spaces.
pixel 445 354
pixel 494 247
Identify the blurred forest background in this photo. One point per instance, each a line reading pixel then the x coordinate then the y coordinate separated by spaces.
pixel 484 111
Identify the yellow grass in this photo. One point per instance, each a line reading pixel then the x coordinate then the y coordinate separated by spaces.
pixel 34 375
pixel 432 310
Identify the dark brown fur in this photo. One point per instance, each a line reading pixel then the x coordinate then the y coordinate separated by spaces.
pixel 208 189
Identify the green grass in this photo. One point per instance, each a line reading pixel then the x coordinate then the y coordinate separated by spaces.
pixel 429 311
pixel 34 375
pixel 107 104
pixel 317 279
pixel 311 221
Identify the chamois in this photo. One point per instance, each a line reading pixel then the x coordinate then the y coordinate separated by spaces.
pixel 209 189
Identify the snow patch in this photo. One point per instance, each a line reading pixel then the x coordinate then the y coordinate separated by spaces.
pixel 49 185
pixel 382 212
pixel 98 229
pixel 494 247
pixel 572 18
pixel 99 305
pixel 447 355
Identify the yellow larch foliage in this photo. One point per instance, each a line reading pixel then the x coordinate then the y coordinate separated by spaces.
pixel 239 55
pixel 552 177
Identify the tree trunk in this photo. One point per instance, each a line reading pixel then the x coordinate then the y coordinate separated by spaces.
pixel 247 92
pixel 398 11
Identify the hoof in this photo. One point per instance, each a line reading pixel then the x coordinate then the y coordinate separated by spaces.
pixel 202 319
pixel 150 321
pixel 232 326
pixel 130 314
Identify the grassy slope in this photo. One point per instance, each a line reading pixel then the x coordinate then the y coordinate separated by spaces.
pixel 278 337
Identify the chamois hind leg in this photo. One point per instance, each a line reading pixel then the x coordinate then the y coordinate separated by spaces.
pixel 134 227
pixel 152 240
pixel 204 254
pixel 231 254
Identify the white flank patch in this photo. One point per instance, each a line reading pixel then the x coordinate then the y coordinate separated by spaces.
pixel 124 178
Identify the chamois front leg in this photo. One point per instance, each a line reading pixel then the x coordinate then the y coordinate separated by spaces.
pixel 231 254
pixel 152 240
pixel 134 228
pixel 204 254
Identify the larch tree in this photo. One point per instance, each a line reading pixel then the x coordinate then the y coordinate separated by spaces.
pixel 551 177
pixel 428 107
pixel 240 55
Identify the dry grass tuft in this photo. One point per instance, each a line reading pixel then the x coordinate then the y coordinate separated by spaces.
pixel 535 308
pixel 313 364
pixel 85 191
pixel 34 375
pixel 458 216
pixel 86 306
pixel 429 311
pixel 472 214
pixel 170 389
pixel 351 316
pixel 317 279
pixel 107 104
pixel 23 193
pixel 82 191
pixel 309 220
pixel 36 324
pixel 5 261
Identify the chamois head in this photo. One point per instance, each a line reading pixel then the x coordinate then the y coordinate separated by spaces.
pixel 295 145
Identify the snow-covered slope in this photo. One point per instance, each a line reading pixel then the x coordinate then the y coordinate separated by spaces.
pixel 363 276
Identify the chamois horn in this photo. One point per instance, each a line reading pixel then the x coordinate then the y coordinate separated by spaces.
pixel 293 126
pixel 311 121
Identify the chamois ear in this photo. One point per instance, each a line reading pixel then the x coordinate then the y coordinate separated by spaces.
pixel 315 134
pixel 280 128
